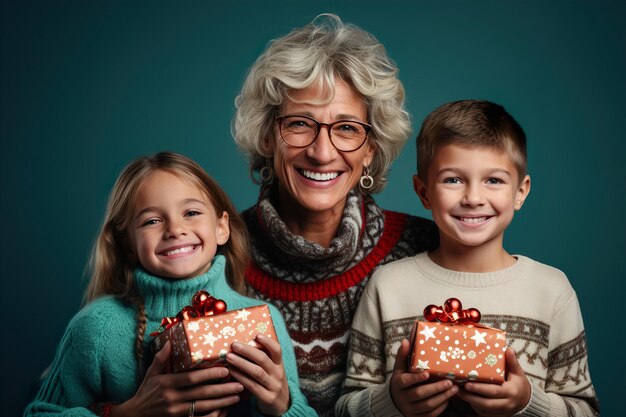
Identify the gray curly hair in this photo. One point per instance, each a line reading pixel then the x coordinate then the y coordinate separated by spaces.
pixel 314 55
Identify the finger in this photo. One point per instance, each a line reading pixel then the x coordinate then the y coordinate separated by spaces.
pixel 198 376
pixel 513 366
pixel 409 379
pixel 252 354
pixel 431 402
pixel 157 366
pixel 215 390
pixel 272 346
pixel 402 356
pixel 439 389
pixel 215 405
pixel 485 389
pixel 256 388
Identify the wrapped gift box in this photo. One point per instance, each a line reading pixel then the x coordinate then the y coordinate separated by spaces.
pixel 203 342
pixel 460 352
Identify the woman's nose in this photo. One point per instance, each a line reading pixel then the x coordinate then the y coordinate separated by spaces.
pixel 322 149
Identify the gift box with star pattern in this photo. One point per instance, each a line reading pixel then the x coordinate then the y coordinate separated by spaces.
pixel 203 342
pixel 459 352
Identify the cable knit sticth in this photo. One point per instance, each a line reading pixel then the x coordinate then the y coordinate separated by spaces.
pixel 95 360
pixel 317 289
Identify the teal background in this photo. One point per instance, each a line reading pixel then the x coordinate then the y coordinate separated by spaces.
pixel 88 86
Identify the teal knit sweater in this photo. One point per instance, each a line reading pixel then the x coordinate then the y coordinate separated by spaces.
pixel 95 361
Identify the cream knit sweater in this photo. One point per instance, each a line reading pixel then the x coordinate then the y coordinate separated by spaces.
pixel 532 302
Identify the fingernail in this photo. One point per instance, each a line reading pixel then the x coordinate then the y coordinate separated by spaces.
pixel 236 345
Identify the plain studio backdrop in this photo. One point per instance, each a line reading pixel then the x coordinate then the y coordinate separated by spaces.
pixel 88 86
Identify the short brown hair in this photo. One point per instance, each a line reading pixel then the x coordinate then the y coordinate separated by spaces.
pixel 471 123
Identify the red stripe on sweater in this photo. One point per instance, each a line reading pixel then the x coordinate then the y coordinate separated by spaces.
pixel 274 288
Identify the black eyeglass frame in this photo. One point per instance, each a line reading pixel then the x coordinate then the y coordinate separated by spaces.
pixel 279 119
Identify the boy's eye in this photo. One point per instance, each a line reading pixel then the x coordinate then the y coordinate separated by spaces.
pixel 452 180
pixel 495 181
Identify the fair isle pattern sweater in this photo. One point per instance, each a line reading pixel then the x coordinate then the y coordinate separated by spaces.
pixel 317 289
pixel 95 361
pixel 534 303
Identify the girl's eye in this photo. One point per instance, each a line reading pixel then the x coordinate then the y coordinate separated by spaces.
pixel 149 222
pixel 192 213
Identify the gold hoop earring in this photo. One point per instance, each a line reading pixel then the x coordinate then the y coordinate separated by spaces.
pixel 366 180
pixel 266 173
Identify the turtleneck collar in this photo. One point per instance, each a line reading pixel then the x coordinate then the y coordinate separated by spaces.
pixel 165 297
pixel 343 246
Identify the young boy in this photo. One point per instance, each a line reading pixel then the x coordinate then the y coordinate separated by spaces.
pixel 472 176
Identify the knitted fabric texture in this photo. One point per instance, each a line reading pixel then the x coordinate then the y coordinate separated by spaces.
pixel 532 302
pixel 95 360
pixel 317 289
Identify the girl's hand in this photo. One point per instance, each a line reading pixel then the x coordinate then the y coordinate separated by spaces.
pixel 412 394
pixel 263 374
pixel 169 395
pixel 500 400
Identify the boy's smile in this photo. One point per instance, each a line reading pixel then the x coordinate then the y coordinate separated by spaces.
pixel 472 193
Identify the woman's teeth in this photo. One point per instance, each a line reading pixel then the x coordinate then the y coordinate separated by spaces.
pixel 319 176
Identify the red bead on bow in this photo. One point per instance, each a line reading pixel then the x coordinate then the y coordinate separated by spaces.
pixel 202 304
pixel 452 312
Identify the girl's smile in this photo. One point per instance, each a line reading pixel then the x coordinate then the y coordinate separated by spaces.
pixel 176 231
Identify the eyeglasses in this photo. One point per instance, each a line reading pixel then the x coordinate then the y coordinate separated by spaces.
pixel 301 131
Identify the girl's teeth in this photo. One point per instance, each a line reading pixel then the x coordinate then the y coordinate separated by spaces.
pixel 320 176
pixel 186 249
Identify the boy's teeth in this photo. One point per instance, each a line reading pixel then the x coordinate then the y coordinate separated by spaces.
pixel 473 219
pixel 185 249
pixel 320 176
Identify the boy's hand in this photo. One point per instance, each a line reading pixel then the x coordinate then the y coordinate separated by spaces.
pixel 500 400
pixel 410 392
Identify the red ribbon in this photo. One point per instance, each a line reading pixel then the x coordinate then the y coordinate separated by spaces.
pixel 202 304
pixel 452 312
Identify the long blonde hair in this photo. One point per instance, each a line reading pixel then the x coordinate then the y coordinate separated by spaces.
pixel 113 257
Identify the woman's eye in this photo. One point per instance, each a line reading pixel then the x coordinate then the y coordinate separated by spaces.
pixel 298 124
pixel 347 128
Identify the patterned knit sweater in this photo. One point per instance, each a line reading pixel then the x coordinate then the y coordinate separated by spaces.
pixel 95 361
pixel 532 302
pixel 317 289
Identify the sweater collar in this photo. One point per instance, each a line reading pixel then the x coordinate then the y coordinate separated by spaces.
pixel 471 279
pixel 165 297
pixel 344 245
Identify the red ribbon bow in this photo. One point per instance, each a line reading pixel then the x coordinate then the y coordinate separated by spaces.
pixel 202 304
pixel 452 312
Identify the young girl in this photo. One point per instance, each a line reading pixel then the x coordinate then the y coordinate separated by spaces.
pixel 168 232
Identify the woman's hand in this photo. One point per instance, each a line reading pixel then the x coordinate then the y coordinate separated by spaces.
pixel 263 374
pixel 412 394
pixel 169 395
pixel 500 400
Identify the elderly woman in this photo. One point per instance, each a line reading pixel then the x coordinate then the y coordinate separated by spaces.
pixel 321 119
